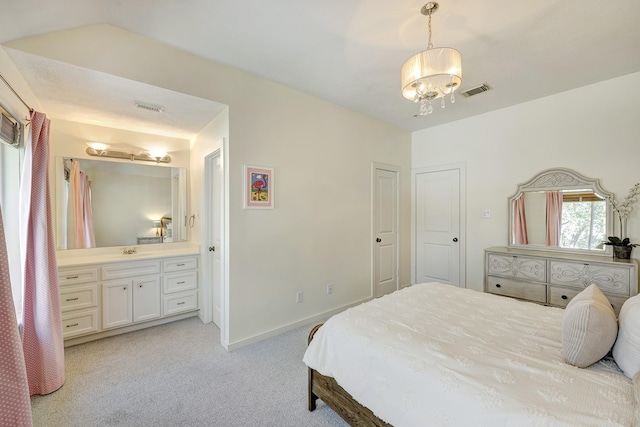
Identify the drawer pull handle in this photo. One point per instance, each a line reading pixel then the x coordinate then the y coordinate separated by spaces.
pixel 180 265
pixel 72 277
pixel 72 299
pixel 181 283
pixel 498 285
pixel 564 297
pixel 71 326
pixel 180 303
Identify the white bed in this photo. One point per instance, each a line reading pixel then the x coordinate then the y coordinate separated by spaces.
pixel 436 355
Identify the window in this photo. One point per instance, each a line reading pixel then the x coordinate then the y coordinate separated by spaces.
pixel 583 221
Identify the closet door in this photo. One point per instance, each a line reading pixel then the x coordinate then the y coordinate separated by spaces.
pixel 439 245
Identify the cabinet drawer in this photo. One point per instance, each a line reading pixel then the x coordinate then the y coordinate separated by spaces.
pixel 177 303
pixel 80 296
pixel 79 323
pixel 75 276
pixel 179 264
pixel 176 282
pixel 516 289
pixel 520 267
pixel 129 269
pixel 609 278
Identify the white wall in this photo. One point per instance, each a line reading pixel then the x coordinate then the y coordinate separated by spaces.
pixel 593 130
pixel 319 231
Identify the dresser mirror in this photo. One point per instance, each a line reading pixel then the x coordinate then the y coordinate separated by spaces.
pixel 130 203
pixel 560 210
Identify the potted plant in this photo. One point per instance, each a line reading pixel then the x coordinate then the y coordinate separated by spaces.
pixel 622 247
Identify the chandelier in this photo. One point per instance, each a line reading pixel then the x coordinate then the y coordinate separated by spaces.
pixel 433 73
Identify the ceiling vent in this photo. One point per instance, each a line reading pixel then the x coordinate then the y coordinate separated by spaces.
pixel 476 90
pixel 149 107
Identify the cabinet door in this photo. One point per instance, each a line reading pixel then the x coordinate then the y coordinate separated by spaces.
pixel 146 298
pixel 116 303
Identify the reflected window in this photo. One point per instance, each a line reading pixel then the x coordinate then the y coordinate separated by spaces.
pixel 583 220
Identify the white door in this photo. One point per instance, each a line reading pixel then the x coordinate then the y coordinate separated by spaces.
pixel 439 243
pixel 385 229
pixel 214 171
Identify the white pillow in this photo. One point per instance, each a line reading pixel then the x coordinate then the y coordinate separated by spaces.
pixel 589 328
pixel 626 351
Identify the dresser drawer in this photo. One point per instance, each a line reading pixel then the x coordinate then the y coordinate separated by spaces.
pixel 79 296
pixel 560 297
pixel 75 276
pixel 609 278
pixel 180 302
pixel 129 269
pixel 179 264
pixel 176 282
pixel 518 267
pixel 79 323
pixel 513 288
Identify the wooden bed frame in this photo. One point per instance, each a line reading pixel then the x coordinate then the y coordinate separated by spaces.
pixel 337 398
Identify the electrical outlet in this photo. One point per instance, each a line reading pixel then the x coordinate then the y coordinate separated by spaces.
pixel 329 288
pixel 299 296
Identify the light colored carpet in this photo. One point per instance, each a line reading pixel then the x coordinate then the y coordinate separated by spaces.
pixel 178 375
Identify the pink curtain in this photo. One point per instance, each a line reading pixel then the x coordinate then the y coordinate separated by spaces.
pixel 82 214
pixel 520 236
pixel 42 340
pixel 15 406
pixel 554 217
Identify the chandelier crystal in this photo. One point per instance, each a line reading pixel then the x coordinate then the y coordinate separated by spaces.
pixel 431 74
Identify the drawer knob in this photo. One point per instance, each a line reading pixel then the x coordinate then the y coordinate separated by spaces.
pixel 498 285
pixel 564 297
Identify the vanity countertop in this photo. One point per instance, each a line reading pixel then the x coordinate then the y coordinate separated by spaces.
pixel 90 256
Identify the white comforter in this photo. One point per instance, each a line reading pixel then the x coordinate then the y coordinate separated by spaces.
pixel 436 355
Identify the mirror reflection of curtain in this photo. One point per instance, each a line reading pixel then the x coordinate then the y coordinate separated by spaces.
pixel 520 236
pixel 554 217
pixel 83 217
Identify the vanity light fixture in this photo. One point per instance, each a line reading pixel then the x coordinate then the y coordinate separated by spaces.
pixel 433 73
pixel 99 149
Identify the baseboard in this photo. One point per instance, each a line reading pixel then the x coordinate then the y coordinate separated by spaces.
pixel 318 318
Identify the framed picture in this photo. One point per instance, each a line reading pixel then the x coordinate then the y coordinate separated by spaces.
pixel 258 187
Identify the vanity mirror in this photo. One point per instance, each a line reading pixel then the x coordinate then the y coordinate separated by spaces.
pixel 560 210
pixel 128 201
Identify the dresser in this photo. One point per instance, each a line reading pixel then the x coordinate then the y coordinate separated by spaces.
pixel 106 298
pixel 554 278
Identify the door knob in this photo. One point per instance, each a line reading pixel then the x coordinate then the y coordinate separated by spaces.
pixel 212 248
pixel 378 240
pixel 455 239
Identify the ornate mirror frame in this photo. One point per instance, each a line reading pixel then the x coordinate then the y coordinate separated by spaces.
pixel 561 179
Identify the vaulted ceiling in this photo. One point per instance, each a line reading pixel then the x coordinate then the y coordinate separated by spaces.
pixel 349 52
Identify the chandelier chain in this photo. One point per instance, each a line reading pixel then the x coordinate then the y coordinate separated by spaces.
pixel 430 45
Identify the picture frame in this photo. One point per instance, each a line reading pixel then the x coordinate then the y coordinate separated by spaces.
pixel 258 187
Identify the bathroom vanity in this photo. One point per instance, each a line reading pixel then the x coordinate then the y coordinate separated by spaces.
pixel 105 293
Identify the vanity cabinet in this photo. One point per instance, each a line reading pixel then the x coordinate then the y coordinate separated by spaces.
pixel 113 297
pixel 555 278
